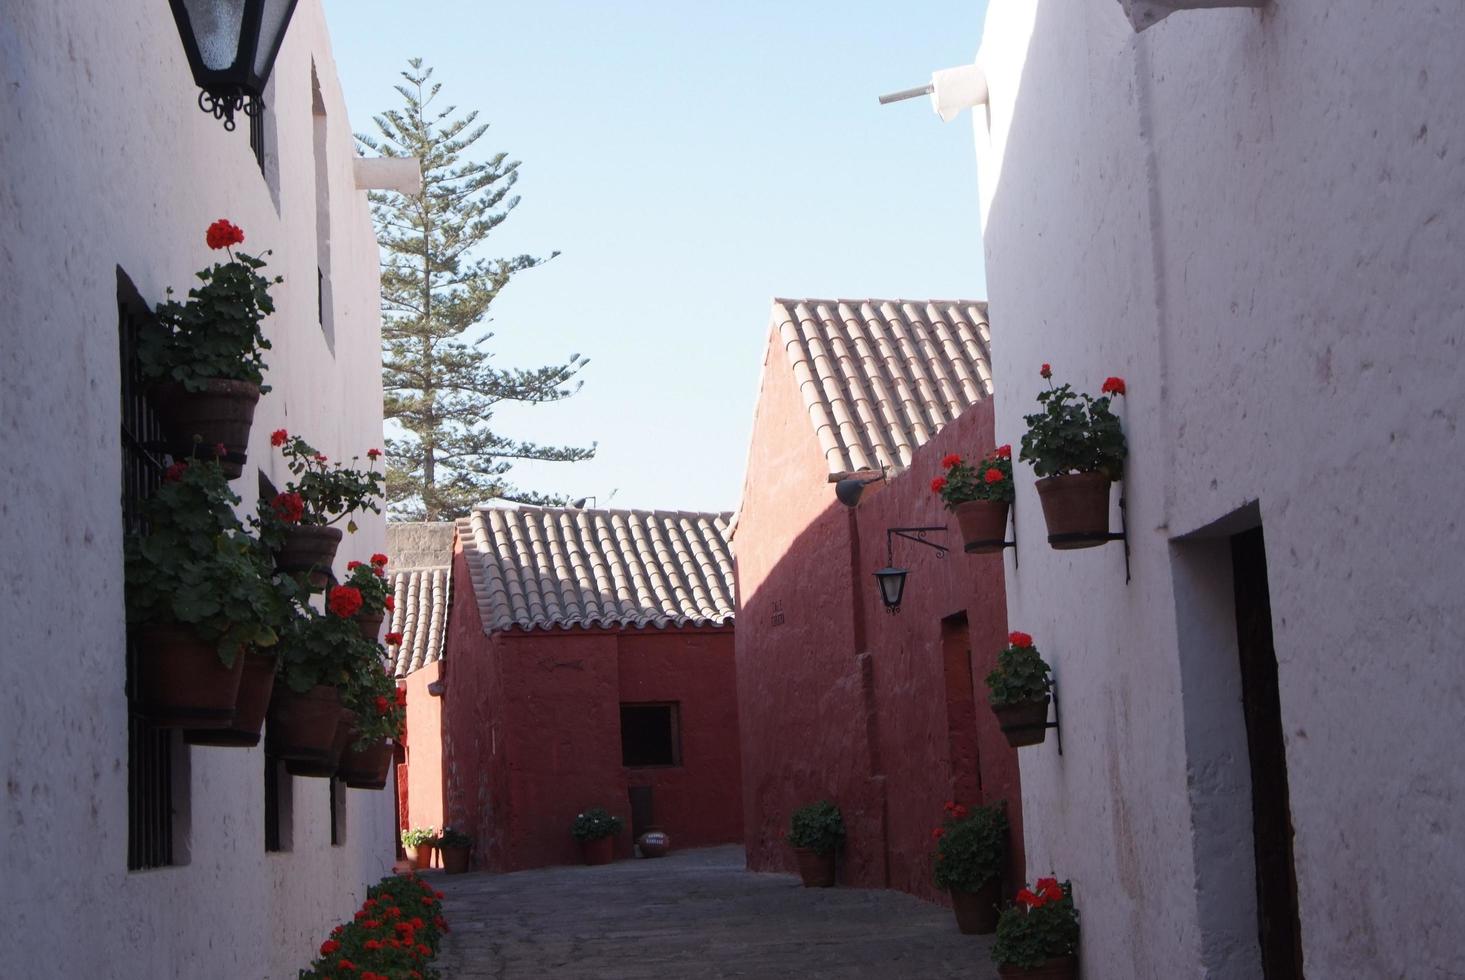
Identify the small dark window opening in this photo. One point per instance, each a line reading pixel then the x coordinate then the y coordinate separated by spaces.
pixel 338 812
pixel 650 735
pixel 150 776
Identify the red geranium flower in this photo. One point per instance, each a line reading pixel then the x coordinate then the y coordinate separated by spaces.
pixel 288 507
pixel 378 559
pixel 1027 898
pixel 344 601
pixel 950 460
pixel 345 965
pixel 175 472
pixel 373 453
pixel 937 833
pixel 222 234
pixel 938 484
pixel 390 602
pixel 949 805
pixel 328 947
pixel 1113 386
pixel 959 812
pixel 993 475
pixel 278 437
pixel 1047 370
pixel 351 566
pixel 402 696
pixel 381 705
pixel 1019 639
pixel 393 639
pixel 1003 452
pixel 321 458
pixel 220 449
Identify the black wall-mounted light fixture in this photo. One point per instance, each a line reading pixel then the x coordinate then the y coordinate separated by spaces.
pixel 231 47
pixel 849 491
pixel 891 579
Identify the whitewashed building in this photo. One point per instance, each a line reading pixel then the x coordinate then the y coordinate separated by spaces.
pixel 1254 217
pixel 109 174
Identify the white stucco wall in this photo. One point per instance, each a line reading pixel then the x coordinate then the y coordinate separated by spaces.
pixel 1254 217
pixel 106 161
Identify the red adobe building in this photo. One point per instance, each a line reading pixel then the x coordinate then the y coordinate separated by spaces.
pixel 884 714
pixel 588 662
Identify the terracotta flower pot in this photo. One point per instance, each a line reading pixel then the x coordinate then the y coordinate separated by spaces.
pixel 309 548
pixel 601 850
pixel 1057 968
pixel 983 525
pixel 1076 508
pixel 181 683
pixel 1023 724
pixel 976 912
pixel 654 843
pixel 370 626
pixel 222 412
pixel 256 684
pixel 455 859
pixel 420 856
pixel 367 768
pixel 325 767
pixel 817 870
pixel 303 726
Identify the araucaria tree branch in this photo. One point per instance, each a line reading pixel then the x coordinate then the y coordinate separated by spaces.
pixel 439 385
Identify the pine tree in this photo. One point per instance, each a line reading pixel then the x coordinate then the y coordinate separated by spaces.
pixel 439 384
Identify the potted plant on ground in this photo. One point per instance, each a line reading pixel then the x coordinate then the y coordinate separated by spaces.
pixel 297 522
pixel 971 846
pixel 418 842
pixel 596 830
pixel 1020 689
pixel 1076 446
pixel 376 712
pixel 979 496
pixel 200 602
pixel 1037 936
pixel 816 832
pixel 454 846
pixel 203 358
pixel 376 598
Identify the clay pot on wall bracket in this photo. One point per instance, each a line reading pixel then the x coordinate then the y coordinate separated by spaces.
pixel 1076 508
pixel 222 412
pixel 976 912
pixel 324 767
pixel 983 525
pixel 1025 723
pixel 309 548
pixel 1057 968
pixel 181 683
pixel 367 768
pixel 256 684
pixel 654 843
pixel 420 856
pixel 455 859
pixel 303 726
pixel 370 626
pixel 601 850
pixel 816 869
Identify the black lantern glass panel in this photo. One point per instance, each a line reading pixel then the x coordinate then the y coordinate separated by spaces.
pixel 892 587
pixel 231 47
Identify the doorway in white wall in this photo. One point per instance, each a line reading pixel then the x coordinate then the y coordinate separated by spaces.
pixel 1246 882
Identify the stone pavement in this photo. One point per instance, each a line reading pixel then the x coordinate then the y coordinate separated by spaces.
pixel 693 914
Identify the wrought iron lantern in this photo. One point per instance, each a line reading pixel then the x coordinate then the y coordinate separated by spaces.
pixel 231 47
pixel 891 579
pixel 892 586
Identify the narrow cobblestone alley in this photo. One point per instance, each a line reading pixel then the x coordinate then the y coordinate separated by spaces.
pixel 693 914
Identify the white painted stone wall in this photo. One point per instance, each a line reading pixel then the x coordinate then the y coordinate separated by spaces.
pixel 1254 217
pixel 106 161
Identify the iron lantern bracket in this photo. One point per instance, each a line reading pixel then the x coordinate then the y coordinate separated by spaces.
pixel 916 534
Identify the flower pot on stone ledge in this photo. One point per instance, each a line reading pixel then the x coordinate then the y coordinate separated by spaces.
pixel 256 684
pixel 816 870
pixel 983 525
pixel 181 683
pixel 303 726
pixel 222 413
pixel 1076 509
pixel 309 548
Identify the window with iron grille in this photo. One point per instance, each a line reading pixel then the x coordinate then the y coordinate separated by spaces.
pixel 150 751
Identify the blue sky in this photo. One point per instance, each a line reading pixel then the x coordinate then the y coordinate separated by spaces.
pixel 691 161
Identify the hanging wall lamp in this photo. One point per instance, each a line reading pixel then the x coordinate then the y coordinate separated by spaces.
pixel 891 579
pixel 231 47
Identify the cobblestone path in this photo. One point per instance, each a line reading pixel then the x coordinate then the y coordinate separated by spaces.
pixel 693 914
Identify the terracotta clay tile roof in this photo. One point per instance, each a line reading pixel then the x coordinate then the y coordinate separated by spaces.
pixel 545 567
pixel 880 377
pixel 421 615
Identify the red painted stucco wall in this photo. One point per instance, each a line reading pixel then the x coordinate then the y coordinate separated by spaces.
pixel 529 734
pixel 839 699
